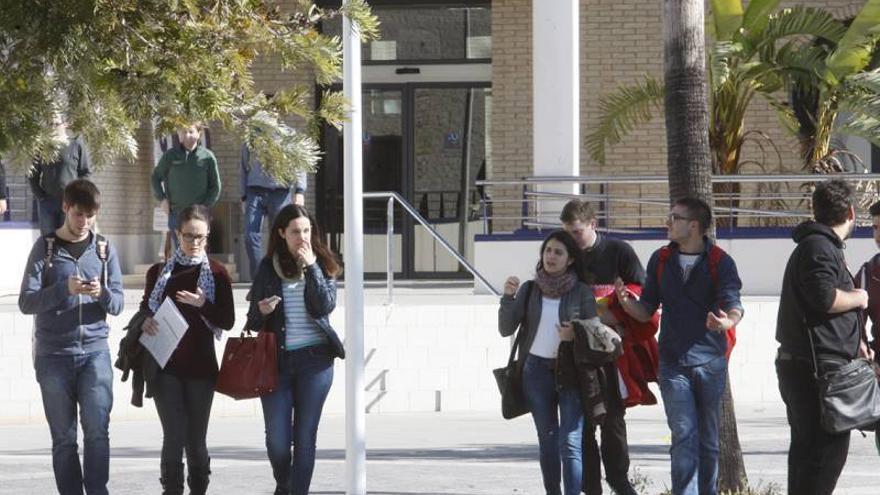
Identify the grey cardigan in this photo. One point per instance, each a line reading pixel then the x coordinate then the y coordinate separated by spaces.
pixel 510 313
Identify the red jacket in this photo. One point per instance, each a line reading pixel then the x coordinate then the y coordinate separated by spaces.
pixel 640 359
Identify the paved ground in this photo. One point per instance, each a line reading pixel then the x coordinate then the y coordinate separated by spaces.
pixel 409 454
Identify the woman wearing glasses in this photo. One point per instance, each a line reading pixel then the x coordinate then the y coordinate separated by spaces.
pixel 293 294
pixel 184 389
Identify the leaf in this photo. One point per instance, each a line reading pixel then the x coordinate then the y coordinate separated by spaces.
pixel 727 15
pixel 621 111
pixel 854 50
pixel 756 15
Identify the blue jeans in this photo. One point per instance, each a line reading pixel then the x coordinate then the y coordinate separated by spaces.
pixel 172 228
pixel 559 420
pixel 51 215
pixel 86 381
pixel 692 398
pixel 260 202
pixel 304 381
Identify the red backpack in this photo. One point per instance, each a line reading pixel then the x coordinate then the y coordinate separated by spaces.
pixel 715 255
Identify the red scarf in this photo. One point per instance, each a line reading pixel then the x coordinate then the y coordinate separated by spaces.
pixel 554 286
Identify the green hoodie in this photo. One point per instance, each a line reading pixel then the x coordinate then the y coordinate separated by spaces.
pixel 186 178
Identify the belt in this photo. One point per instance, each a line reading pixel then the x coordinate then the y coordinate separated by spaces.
pixel 782 355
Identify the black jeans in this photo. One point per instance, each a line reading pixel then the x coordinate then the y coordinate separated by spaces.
pixel 184 407
pixel 614 453
pixel 815 457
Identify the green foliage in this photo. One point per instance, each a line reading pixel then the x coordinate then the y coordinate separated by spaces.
pixel 110 65
pixel 621 112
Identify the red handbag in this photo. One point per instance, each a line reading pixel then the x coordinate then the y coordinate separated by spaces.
pixel 250 366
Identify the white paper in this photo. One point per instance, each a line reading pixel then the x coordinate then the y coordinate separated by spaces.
pixel 160 220
pixel 172 326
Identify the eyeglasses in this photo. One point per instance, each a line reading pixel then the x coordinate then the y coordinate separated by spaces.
pixel 675 216
pixel 194 239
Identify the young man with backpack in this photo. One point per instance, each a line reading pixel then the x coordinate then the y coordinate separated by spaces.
pixel 699 289
pixel 71 283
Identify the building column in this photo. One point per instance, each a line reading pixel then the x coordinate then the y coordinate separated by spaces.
pixel 555 98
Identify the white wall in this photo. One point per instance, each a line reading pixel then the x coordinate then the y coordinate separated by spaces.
pixel 761 262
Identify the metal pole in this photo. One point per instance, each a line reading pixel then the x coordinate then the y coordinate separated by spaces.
pixel 390 250
pixel 355 415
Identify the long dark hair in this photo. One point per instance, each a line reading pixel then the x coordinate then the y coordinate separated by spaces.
pixel 574 252
pixel 277 247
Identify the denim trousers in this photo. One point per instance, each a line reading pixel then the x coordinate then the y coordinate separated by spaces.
pixel 184 407
pixel 172 229
pixel 292 413
pixel 692 399
pixel 260 202
pixel 815 457
pixel 51 216
pixel 559 421
pixel 83 381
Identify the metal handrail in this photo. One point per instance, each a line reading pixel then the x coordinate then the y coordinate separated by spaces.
pixel 393 196
pixel 663 179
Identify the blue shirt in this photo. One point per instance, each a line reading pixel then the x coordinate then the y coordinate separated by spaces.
pixel 302 331
pixel 684 339
pixel 253 175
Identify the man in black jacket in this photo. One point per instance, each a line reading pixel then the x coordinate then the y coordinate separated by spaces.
pixel 604 260
pixel 48 180
pixel 818 322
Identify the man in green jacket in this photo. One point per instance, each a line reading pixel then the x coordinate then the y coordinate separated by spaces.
pixel 186 175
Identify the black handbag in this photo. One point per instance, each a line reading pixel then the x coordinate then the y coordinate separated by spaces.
pixel 849 396
pixel 509 378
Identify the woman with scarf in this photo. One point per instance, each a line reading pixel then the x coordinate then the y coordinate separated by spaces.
pixel 549 303
pixel 184 388
pixel 293 294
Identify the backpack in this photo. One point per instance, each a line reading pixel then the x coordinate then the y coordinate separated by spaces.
pixel 715 255
pixel 102 248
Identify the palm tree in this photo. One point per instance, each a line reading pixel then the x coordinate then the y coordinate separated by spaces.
pixel 846 79
pixel 689 164
pixel 754 53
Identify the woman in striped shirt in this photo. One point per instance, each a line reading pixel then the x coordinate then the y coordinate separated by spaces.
pixel 292 295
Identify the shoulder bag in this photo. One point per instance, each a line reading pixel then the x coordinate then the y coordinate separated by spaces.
pixel 509 378
pixel 250 365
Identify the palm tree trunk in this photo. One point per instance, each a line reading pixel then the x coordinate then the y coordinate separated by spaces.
pixel 690 168
pixel 687 115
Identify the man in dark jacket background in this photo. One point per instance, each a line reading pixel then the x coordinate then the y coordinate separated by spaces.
pixel 818 301
pixel 48 179
pixel 604 260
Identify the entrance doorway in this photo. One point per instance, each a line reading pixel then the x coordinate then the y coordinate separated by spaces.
pixel 427 141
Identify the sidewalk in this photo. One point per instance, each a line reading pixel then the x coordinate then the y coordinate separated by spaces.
pixel 414 453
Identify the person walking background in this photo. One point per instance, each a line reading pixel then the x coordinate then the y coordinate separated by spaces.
pixel 262 197
pixel 184 388
pixel 186 175
pixel 293 294
pixel 550 301
pixel 47 180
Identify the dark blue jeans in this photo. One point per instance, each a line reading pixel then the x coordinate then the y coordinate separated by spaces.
pixel 260 202
pixel 51 215
pixel 304 381
pixel 692 399
pixel 184 408
pixel 172 228
pixel 559 421
pixel 84 381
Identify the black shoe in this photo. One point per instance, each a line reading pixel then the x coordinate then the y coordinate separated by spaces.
pixel 198 478
pixel 172 479
pixel 623 488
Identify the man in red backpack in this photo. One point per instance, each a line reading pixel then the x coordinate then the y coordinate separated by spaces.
pixel 701 302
